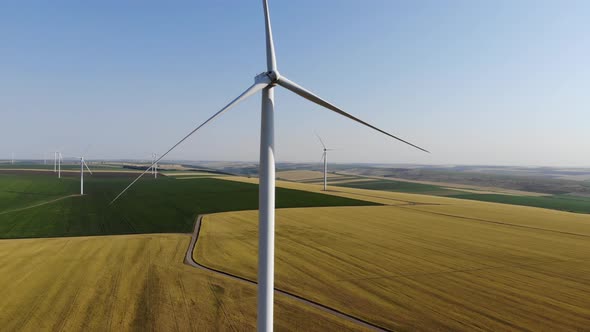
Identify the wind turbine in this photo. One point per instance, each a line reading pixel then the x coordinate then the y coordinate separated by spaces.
pixel 265 83
pixel 82 164
pixel 12 158
pixel 59 160
pixel 325 158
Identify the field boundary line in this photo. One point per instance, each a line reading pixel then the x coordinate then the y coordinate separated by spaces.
pixel 38 204
pixel 341 192
pixel 466 270
pixel 493 221
pixel 189 260
pixel 452 185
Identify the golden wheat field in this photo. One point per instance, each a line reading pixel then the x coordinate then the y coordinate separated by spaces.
pixel 460 265
pixel 130 282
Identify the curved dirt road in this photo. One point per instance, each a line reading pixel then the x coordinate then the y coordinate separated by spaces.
pixel 38 204
pixel 188 259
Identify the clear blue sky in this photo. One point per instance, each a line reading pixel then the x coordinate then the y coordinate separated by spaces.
pixel 494 82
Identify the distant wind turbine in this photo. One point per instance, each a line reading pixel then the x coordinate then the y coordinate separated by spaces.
pixel 265 83
pixel 59 160
pixel 82 164
pixel 325 159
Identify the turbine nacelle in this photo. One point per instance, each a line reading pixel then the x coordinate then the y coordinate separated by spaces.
pixel 271 77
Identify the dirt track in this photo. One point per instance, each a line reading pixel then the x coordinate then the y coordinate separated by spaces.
pixel 188 259
pixel 38 204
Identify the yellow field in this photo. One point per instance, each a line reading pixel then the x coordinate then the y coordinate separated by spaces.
pixel 136 282
pixel 460 266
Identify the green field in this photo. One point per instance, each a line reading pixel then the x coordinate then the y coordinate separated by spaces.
pixel 38 166
pixel 21 191
pixel 165 205
pixel 64 166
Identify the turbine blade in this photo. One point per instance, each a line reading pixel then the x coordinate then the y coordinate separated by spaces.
pixel 293 87
pixel 88 168
pixel 257 86
pixel 324 145
pixel 271 61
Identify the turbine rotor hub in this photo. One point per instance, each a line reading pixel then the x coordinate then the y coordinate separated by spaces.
pixel 273 75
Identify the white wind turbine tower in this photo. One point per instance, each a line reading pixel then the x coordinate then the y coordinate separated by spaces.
pixel 325 159
pixel 82 164
pixel 265 83
pixel 59 160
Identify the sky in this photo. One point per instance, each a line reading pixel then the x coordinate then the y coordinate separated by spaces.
pixel 474 82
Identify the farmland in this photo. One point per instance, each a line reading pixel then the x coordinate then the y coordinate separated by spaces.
pixel 545 180
pixel 130 282
pixel 165 205
pixel 563 202
pixel 450 265
pixel 558 202
pixel 403 261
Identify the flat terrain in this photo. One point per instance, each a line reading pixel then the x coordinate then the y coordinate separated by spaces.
pixel 431 264
pixel 454 186
pixel 544 180
pixel 165 205
pixel 419 262
pixel 21 191
pixel 558 202
pixel 130 283
pixel 563 202
pixel 303 175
